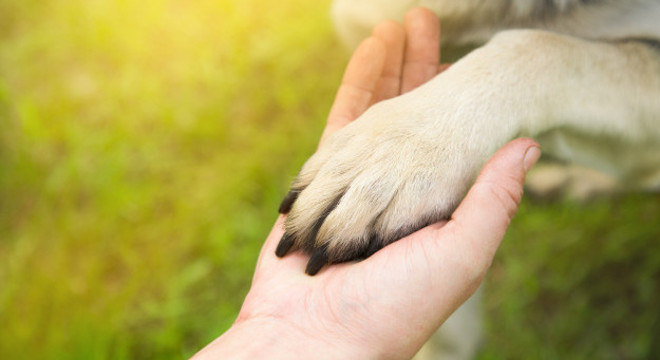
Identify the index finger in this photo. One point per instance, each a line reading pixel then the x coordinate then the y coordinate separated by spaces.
pixel 358 84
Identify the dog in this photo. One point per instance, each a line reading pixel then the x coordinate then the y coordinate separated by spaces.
pixel 582 77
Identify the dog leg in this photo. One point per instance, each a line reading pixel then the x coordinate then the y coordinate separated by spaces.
pixel 408 161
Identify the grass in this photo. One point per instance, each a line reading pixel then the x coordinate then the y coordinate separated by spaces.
pixel 578 281
pixel 143 152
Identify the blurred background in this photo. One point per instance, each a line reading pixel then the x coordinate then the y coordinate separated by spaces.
pixel 144 149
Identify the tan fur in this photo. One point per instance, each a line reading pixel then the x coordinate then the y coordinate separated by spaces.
pixel 410 159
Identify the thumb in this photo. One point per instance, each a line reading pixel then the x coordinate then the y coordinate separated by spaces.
pixel 432 271
pixel 484 215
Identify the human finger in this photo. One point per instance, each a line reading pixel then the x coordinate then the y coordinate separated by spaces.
pixel 442 264
pixel 422 53
pixel 393 36
pixel 464 246
pixel 358 84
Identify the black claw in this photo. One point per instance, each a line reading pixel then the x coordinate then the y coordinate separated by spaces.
pixel 317 261
pixel 288 201
pixel 308 243
pixel 284 246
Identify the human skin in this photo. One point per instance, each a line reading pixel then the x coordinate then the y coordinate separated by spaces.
pixel 388 305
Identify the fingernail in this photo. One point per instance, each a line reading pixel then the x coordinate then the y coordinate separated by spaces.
pixel 531 156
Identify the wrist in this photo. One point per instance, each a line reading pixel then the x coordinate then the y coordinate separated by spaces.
pixel 270 338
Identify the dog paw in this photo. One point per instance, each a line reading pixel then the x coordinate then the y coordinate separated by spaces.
pixel 380 178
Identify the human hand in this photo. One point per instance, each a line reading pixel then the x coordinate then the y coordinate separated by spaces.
pixel 388 305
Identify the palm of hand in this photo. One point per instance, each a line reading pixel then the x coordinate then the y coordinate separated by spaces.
pixel 345 303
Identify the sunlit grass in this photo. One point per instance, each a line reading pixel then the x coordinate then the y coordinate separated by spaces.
pixel 144 147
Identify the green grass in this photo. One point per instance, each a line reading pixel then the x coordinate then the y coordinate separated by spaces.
pixel 143 152
pixel 578 281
